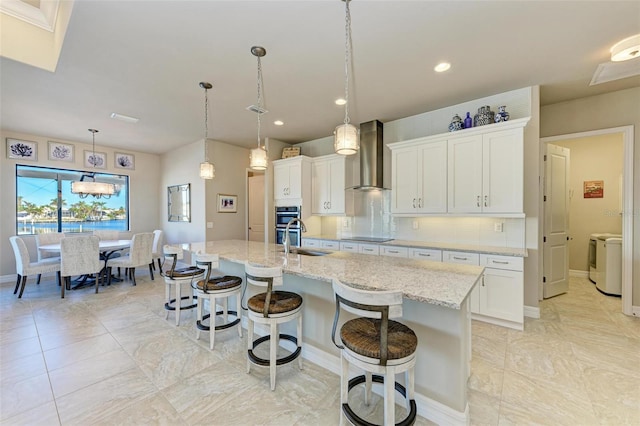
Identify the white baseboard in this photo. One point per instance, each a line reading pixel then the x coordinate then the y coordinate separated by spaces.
pixel 531 311
pixel 8 278
pixel 579 274
pixel 635 311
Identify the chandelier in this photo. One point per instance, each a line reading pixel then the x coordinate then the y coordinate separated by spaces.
pixel 258 157
pixel 207 170
pixel 346 134
pixel 84 188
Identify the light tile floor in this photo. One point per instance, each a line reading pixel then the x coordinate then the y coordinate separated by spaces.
pixel 111 358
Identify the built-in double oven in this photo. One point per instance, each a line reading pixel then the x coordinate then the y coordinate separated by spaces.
pixel 284 214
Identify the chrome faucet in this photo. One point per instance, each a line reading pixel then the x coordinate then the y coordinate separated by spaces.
pixel 286 242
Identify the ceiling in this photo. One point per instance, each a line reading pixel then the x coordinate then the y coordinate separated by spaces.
pixel 146 58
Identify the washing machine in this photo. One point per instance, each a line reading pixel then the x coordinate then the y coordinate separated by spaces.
pixel 610 268
pixel 596 241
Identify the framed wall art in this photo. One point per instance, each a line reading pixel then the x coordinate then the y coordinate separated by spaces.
pixel 593 189
pixel 95 160
pixel 125 161
pixel 227 203
pixel 22 150
pixel 59 151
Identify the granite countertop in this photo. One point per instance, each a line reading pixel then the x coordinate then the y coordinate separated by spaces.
pixel 471 248
pixel 443 284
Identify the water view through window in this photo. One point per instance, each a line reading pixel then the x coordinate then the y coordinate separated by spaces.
pixel 45 203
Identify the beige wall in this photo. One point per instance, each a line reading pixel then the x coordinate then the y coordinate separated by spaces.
pixel 593 158
pixel 602 112
pixel 144 185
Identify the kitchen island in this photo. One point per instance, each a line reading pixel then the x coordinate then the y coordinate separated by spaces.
pixel 435 307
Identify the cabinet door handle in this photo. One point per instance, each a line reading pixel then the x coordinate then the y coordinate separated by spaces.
pixel 478 201
pixel 459 258
pixel 500 262
pixel 414 203
pixel 329 205
pixel 393 251
pixel 420 202
pixel 483 281
pixel 367 249
pixel 486 203
pixel 424 254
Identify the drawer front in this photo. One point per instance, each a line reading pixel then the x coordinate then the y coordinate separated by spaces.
pixel 310 243
pixel 333 245
pixel 394 251
pixel 426 254
pixel 349 247
pixel 510 263
pixel 461 257
pixel 369 249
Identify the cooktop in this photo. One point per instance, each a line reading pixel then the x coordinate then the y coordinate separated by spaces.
pixel 368 239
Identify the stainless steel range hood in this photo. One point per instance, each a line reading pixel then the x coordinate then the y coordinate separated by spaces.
pixel 371 149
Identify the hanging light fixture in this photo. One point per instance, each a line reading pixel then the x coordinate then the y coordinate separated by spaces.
pixel 84 188
pixel 258 157
pixel 346 140
pixel 207 170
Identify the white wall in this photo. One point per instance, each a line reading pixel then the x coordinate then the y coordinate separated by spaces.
pixel 605 111
pixel 144 187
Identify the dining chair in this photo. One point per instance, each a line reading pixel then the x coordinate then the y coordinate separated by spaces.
pixel 79 256
pixel 156 251
pixel 107 234
pixel 139 255
pixel 44 239
pixel 24 266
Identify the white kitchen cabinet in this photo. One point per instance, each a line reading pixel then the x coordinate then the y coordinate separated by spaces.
pixel 292 180
pixel 485 172
pixel 394 251
pixel 426 254
pixel 310 242
pixel 330 175
pixel 460 257
pixel 419 178
pixel 330 244
pixel 349 247
pixel 373 249
pixel 501 292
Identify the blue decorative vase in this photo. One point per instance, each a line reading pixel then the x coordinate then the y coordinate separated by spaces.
pixel 456 123
pixel 484 116
pixel 502 115
pixel 468 121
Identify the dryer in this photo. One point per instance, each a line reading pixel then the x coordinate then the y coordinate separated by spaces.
pixel 610 272
pixel 596 246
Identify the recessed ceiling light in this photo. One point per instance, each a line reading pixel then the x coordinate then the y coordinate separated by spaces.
pixel 626 49
pixel 124 118
pixel 340 101
pixel 442 67
pixel 278 123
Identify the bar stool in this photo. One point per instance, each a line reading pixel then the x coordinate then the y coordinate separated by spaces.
pixel 272 308
pixel 213 288
pixel 379 346
pixel 178 278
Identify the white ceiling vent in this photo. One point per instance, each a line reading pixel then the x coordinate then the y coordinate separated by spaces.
pixel 610 71
pixel 257 109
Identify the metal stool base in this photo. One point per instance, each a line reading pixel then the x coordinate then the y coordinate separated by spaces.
pixel 359 421
pixel 168 306
pixel 201 326
pixel 280 361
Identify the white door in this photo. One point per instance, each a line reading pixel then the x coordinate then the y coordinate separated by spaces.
pixel 256 208
pixel 556 221
pixel 432 184
pixel 320 178
pixel 502 171
pixel 404 180
pixel 465 175
pixel 336 185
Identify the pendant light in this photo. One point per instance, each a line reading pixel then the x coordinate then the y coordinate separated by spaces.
pixel 207 170
pixel 346 140
pixel 258 157
pixel 84 188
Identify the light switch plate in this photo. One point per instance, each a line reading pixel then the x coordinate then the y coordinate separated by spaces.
pixel 497 227
pixel 415 224
pixel 209 225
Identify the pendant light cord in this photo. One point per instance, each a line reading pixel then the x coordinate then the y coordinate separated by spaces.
pixel 347 57
pixel 206 124
pixel 259 97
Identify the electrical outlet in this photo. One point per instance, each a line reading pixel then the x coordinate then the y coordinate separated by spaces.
pixel 498 226
pixel 346 223
pixel 415 224
pixel 209 225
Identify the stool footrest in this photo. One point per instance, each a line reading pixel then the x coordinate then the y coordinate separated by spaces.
pixel 168 306
pixel 280 361
pixel 201 326
pixel 359 421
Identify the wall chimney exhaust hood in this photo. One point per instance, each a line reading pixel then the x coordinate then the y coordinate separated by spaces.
pixel 371 149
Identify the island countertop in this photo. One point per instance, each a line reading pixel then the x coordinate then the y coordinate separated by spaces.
pixel 435 283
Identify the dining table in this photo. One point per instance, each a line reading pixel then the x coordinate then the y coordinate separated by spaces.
pixel 107 249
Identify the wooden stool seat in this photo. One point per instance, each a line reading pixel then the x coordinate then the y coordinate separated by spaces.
pixel 362 336
pixel 281 302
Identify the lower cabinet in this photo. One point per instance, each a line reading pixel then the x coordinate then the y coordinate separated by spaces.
pixel 394 251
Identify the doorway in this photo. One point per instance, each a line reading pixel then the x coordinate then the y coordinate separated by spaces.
pixel 625 186
pixel 255 206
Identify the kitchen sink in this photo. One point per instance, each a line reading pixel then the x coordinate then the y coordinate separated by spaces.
pixel 305 252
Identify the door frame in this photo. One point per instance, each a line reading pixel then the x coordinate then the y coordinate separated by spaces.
pixel 247 174
pixel 627 207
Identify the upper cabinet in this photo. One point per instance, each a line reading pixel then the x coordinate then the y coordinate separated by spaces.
pixel 292 180
pixel 468 172
pixel 419 178
pixel 486 173
pixel 330 175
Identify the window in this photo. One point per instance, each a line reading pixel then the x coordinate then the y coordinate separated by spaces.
pixel 44 202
